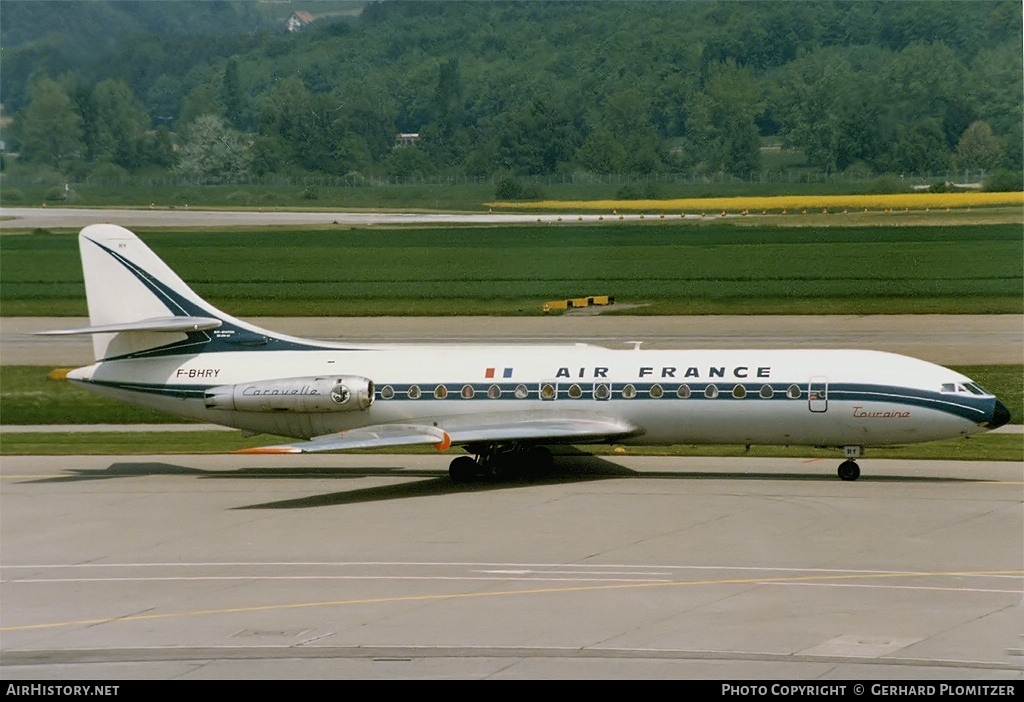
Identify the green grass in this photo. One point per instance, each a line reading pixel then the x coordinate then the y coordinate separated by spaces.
pixel 26 190
pixel 126 443
pixel 29 396
pixel 672 268
pixel 989 447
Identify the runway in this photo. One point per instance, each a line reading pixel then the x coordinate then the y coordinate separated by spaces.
pixel 943 339
pixel 22 218
pixel 377 567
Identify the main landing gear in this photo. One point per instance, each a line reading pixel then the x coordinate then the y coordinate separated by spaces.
pixel 500 462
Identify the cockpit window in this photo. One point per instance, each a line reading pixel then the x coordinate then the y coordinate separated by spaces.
pixel 964 388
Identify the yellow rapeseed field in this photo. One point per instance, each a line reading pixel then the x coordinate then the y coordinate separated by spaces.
pixel 788 203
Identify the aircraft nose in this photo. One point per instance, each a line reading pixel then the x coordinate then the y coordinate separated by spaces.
pixel 1000 415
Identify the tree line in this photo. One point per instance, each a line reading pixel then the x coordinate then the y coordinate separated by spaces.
pixel 518 88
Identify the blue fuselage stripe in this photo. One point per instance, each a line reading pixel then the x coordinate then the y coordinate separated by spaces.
pixel 971 408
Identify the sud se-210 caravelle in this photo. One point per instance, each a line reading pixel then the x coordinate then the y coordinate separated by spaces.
pixel 159 345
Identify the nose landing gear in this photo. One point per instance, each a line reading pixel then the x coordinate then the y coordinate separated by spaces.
pixel 848 469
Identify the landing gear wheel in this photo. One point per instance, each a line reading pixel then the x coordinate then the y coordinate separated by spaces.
pixel 462 469
pixel 501 466
pixel 542 455
pixel 849 470
pixel 536 461
pixel 500 462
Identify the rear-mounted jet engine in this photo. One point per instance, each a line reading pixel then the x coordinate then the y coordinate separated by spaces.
pixel 345 393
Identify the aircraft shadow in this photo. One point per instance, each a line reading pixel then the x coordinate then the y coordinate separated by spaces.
pixel 564 472
pixel 568 468
pixel 138 470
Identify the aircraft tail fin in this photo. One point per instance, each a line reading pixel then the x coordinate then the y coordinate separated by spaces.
pixel 139 307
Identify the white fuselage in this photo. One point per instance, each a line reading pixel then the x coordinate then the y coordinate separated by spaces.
pixel 805 397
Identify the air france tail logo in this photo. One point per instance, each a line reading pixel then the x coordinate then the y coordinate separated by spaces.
pixel 505 373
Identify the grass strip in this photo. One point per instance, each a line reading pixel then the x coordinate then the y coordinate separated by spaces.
pixel 987 447
pixel 665 268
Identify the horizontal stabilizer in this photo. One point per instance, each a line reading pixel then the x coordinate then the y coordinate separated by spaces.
pixel 157 324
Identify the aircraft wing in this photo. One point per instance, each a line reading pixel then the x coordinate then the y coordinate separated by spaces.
pixel 530 427
pixel 379 436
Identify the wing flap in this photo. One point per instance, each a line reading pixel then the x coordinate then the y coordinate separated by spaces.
pixel 530 427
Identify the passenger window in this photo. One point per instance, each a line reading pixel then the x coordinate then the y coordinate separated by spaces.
pixel 387 392
pixel 739 392
pixel 628 392
pixel 414 392
pixel 601 391
pixel 494 392
pixel 521 392
pixel 467 392
pixel 683 392
pixel 547 391
pixel 767 392
pixel 575 392
pixel 711 392
pixel 793 392
pixel 656 391
pixel 440 392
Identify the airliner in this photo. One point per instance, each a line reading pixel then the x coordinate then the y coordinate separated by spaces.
pixel 159 345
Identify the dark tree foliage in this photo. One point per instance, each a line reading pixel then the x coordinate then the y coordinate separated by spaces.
pixel 523 88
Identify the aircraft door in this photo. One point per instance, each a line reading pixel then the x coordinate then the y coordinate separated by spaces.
pixel 817 394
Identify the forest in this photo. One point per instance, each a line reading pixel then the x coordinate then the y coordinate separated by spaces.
pixel 222 92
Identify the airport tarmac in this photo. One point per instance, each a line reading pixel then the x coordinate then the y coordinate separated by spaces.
pixel 376 566
pixel 21 218
pixel 943 339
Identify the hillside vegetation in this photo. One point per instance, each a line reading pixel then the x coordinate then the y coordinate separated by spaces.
pixel 209 92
